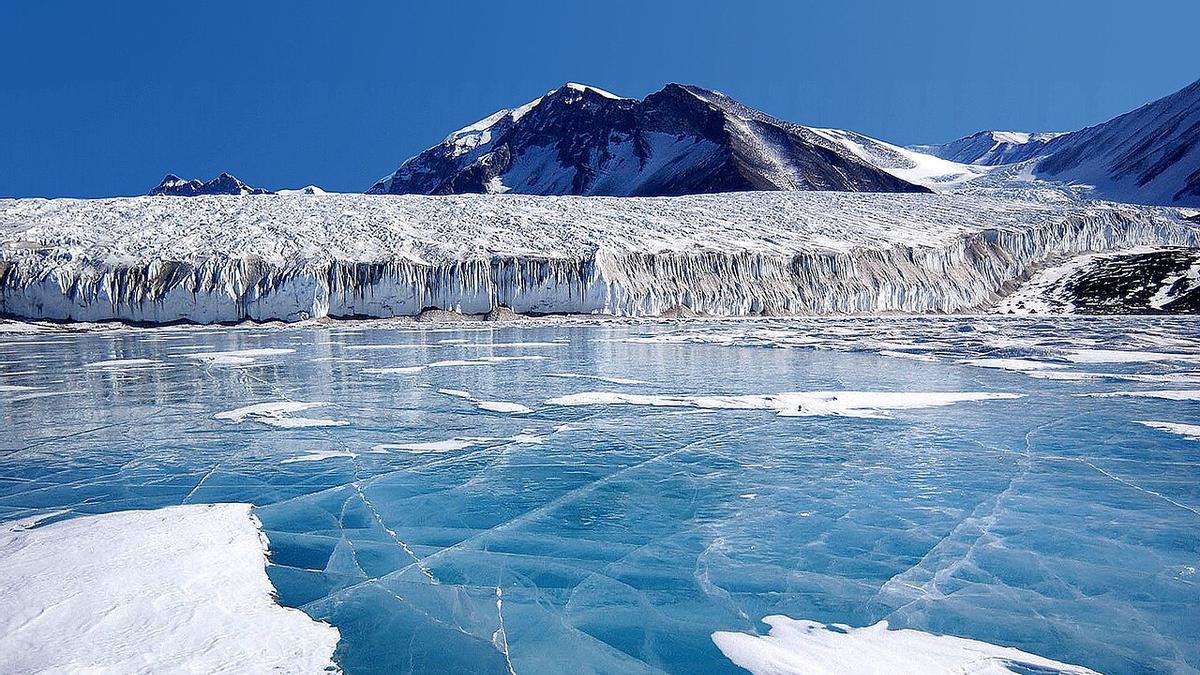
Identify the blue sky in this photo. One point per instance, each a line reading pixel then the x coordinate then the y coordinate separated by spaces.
pixel 105 98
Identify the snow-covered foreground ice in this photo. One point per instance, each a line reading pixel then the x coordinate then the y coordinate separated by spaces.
pixel 460 518
pixel 176 589
pixel 810 648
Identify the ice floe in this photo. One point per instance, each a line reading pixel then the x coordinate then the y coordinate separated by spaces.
pixel 279 414
pixel 121 363
pixel 483 361
pixel 811 648
pixel 1019 365
pixel 1189 431
pixel 1121 356
pixel 489 406
pixel 449 445
pixel 1169 394
pixel 867 404
pixel 179 589
pixel 907 355
pixel 398 370
pixel 598 378
pixel 239 357
pixel 320 455
pixel 502 407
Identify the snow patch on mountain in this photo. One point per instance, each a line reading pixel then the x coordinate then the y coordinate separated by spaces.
pixel 914 167
pixel 991 148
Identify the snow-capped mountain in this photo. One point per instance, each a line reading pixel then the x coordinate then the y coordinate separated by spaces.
pixel 912 166
pixel 306 190
pixel 990 148
pixel 225 184
pixel 580 140
pixel 1149 156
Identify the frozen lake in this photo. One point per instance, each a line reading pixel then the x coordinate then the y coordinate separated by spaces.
pixel 578 497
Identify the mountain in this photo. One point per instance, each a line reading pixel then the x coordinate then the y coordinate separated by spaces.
pixel 580 140
pixel 910 165
pixel 225 184
pixel 306 190
pixel 1150 155
pixel 990 148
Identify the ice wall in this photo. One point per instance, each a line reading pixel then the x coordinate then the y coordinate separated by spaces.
pixel 877 270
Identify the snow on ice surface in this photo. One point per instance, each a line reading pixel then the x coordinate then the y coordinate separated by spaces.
pixel 790 404
pixel 1012 364
pixel 121 363
pixel 294 257
pixel 179 589
pixel 239 357
pixel 1191 431
pixel 428 446
pixel 1172 394
pixel 811 648
pixel 279 414
pixel 320 455
pixel 622 537
pixel 489 406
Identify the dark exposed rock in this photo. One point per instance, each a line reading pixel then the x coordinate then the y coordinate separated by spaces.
pixel 225 184
pixel 1156 282
pixel 578 140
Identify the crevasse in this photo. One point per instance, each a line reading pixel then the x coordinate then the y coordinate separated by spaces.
pixel 964 268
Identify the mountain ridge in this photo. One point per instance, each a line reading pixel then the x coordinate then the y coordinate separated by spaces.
pixel 1149 155
pixel 682 139
pixel 224 184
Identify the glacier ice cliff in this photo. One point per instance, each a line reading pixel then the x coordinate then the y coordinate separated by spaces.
pixel 294 257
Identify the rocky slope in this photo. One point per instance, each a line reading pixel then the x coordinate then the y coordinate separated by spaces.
pixel 580 140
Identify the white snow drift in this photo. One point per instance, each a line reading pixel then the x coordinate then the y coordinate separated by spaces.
pixel 868 404
pixel 811 648
pixel 179 589
pixel 213 258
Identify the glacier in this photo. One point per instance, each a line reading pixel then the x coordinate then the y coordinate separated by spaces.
pixel 219 259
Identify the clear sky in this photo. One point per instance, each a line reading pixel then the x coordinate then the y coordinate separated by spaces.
pixel 104 98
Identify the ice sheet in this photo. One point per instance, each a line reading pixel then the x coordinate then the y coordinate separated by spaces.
pixel 623 536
